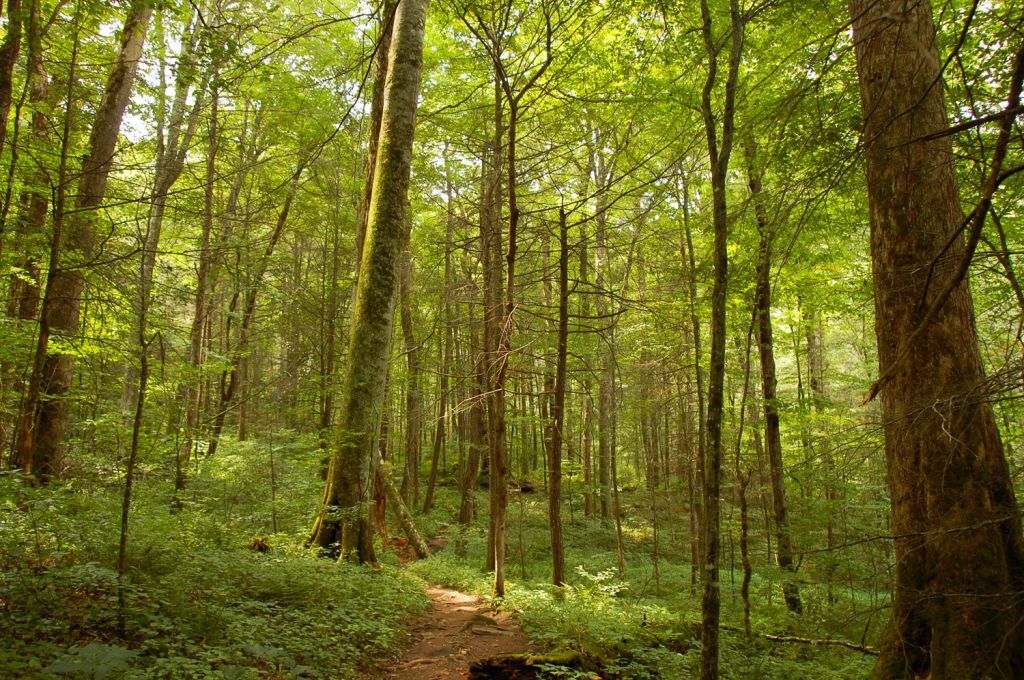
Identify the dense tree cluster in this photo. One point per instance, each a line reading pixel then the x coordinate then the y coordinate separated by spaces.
pixel 747 266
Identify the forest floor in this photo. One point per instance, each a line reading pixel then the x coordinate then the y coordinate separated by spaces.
pixel 458 630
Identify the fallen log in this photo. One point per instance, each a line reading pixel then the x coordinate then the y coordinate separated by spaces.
pixel 529 666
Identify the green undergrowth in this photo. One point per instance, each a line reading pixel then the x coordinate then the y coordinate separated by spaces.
pixel 200 603
pixel 646 625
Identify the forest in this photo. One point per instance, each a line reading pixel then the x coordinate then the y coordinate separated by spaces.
pixel 511 339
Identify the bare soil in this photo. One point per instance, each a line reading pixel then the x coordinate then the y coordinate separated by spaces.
pixel 458 630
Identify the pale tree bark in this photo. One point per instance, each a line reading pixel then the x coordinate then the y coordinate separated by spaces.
pixel 587 453
pixel 344 519
pixel 170 163
pixel 43 444
pixel 958 598
pixel 603 170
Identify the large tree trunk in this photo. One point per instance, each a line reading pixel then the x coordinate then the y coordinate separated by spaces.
pixel 766 349
pixel 959 585
pixel 490 240
pixel 8 58
pixel 42 453
pixel 343 519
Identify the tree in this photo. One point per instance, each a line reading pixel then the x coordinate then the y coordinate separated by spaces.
pixel 769 383
pixel 45 415
pixel 343 518
pixel 959 583
pixel 719 149
pixel 555 434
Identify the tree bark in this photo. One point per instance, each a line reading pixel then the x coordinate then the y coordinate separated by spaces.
pixel 959 586
pixel 343 519
pixel 193 380
pixel 43 452
pixel 719 151
pixel 448 358
pixel 170 162
pixel 413 396
pixel 558 409
pixel 766 350
pixel 9 50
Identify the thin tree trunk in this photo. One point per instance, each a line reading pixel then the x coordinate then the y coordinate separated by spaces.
pixel 695 481
pixel 766 348
pixel 24 294
pixel 711 599
pixel 413 397
pixel 193 379
pixel 170 162
pixel 558 409
pixel 448 356
pixel 232 377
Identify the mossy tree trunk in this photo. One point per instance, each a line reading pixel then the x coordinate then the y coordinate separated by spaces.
pixel 344 518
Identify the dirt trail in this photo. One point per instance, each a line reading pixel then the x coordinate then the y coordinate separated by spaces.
pixel 458 630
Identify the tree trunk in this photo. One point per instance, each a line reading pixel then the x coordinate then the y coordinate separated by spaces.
pixel 604 379
pixel 959 587
pixel 193 380
pixel 343 519
pixel 413 398
pixel 8 59
pixel 233 377
pixel 448 358
pixel 170 162
pixel 558 409
pixel 766 349
pixel 24 295
pixel 490 237
pixel 719 155
pixel 43 452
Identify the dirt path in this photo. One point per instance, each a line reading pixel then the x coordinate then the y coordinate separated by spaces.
pixel 458 630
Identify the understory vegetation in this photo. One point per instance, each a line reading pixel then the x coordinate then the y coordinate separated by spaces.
pixel 210 591
pixel 202 599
